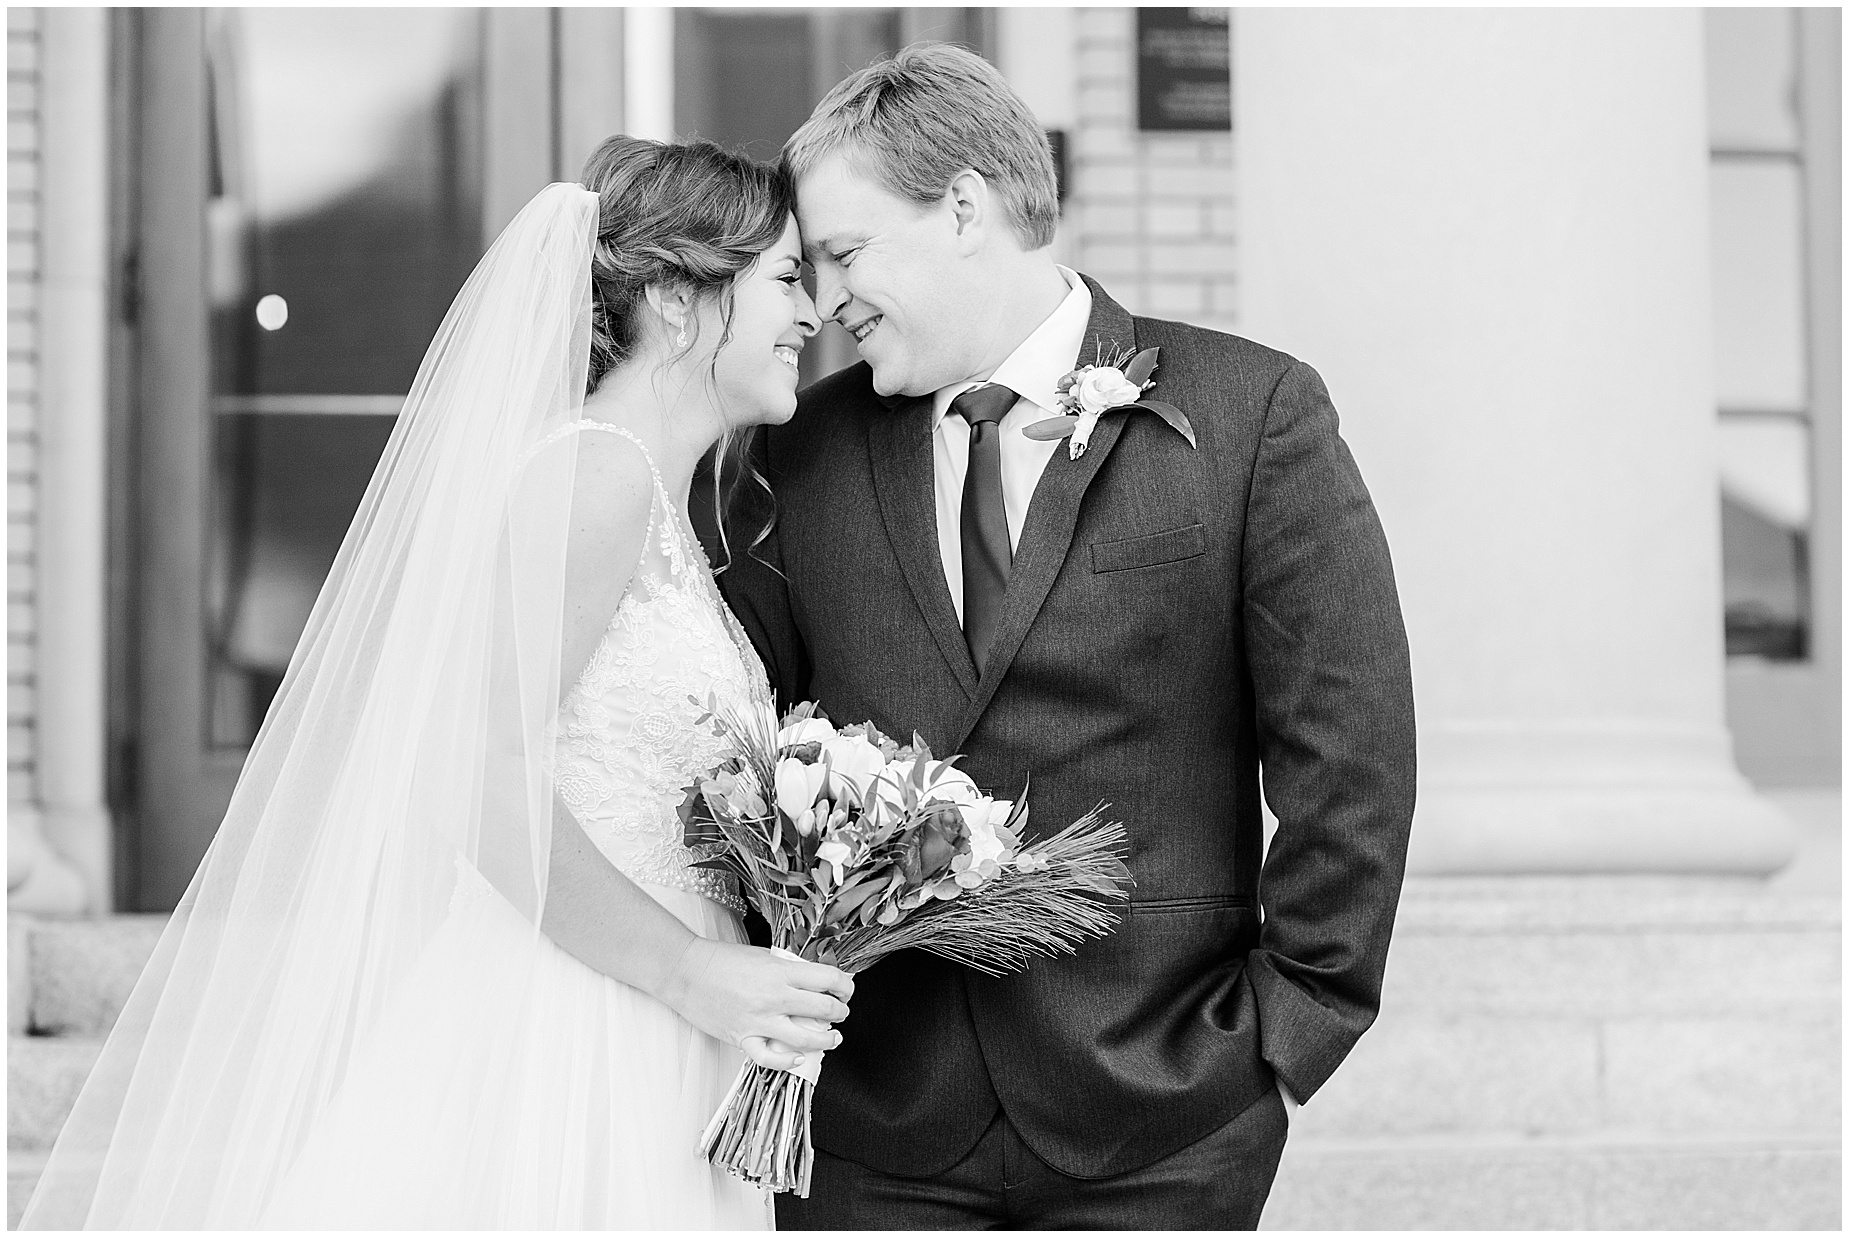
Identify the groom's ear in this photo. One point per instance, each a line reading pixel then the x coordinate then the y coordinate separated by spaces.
pixel 969 201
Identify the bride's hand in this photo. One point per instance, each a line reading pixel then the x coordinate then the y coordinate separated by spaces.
pixel 777 1010
pixel 775 1054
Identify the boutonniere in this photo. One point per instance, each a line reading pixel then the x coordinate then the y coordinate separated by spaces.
pixel 1112 384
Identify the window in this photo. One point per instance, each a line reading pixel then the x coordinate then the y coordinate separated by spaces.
pixel 1756 190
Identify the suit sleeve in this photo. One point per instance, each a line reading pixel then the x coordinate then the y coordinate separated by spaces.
pixel 757 590
pixel 1332 681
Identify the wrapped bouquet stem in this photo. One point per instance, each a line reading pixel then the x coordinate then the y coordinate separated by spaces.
pixel 852 847
pixel 761 1129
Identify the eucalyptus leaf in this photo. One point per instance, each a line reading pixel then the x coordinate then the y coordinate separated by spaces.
pixel 850 901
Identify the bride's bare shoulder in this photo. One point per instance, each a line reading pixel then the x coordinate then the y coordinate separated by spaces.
pixel 613 479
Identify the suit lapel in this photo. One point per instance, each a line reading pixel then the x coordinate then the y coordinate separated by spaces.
pixel 904 480
pixel 1052 519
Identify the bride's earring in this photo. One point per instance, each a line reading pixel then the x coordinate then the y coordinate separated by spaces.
pixel 680 341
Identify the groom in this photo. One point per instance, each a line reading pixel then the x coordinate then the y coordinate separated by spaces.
pixel 1149 623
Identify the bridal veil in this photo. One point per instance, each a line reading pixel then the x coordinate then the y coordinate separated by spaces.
pixel 410 734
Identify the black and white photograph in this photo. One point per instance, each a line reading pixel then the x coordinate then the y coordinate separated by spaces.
pixel 851 618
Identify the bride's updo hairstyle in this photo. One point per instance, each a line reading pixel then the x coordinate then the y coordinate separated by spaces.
pixel 690 214
pixel 694 215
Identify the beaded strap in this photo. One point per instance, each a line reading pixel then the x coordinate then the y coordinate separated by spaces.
pixel 670 526
pixel 670 539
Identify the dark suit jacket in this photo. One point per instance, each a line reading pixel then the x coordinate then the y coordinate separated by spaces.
pixel 1176 619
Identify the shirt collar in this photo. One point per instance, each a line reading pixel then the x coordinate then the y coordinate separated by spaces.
pixel 1042 359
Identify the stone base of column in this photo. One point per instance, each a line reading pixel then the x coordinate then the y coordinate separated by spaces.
pixel 1517 799
pixel 83 837
pixel 39 881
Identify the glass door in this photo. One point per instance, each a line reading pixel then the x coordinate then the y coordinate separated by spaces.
pixel 313 189
pixel 339 225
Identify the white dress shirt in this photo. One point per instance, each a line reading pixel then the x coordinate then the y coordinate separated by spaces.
pixel 1030 371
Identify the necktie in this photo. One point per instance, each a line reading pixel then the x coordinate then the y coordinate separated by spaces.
pixel 987 554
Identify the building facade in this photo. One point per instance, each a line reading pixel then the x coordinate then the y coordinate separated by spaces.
pixel 1573 279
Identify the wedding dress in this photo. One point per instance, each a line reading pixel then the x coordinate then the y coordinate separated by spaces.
pixel 352 1017
pixel 581 1108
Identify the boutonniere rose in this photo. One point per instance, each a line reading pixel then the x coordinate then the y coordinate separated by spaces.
pixel 1091 391
pixel 1099 387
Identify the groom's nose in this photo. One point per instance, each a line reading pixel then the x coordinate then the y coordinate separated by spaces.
pixel 831 296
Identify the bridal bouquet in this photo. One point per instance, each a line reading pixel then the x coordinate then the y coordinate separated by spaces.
pixel 851 847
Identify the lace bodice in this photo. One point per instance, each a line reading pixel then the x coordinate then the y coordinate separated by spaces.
pixel 629 740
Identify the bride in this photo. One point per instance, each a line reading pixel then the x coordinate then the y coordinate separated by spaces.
pixel 446 963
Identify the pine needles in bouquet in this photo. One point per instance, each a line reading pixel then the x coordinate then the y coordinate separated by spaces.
pixel 851 847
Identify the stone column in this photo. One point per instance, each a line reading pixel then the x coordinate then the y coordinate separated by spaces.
pixel 74 813
pixel 518 147
pixel 590 84
pixel 648 73
pixel 1488 230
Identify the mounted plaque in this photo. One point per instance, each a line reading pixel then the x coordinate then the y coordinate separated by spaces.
pixel 1183 70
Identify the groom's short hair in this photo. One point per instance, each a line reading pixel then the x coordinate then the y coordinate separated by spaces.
pixel 917 120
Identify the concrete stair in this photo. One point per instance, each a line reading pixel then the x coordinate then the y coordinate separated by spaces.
pixel 66 982
pixel 1606 1053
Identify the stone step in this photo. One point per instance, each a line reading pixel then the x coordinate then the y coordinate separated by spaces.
pixel 1570 1007
pixel 1418 1073
pixel 1612 947
pixel 22 1174
pixel 78 973
pixel 1552 1052
pixel 1337 1185
pixel 1604 1182
pixel 43 1077
pixel 1545 947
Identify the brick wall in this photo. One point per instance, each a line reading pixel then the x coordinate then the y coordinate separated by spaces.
pixel 1152 214
pixel 22 391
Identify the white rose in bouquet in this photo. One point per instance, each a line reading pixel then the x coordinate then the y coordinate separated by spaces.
pixel 943 784
pixel 952 785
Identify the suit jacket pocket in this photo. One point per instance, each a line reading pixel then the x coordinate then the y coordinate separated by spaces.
pixel 1185 904
pixel 1147 551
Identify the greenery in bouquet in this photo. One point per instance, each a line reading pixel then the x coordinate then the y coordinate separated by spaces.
pixel 852 846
